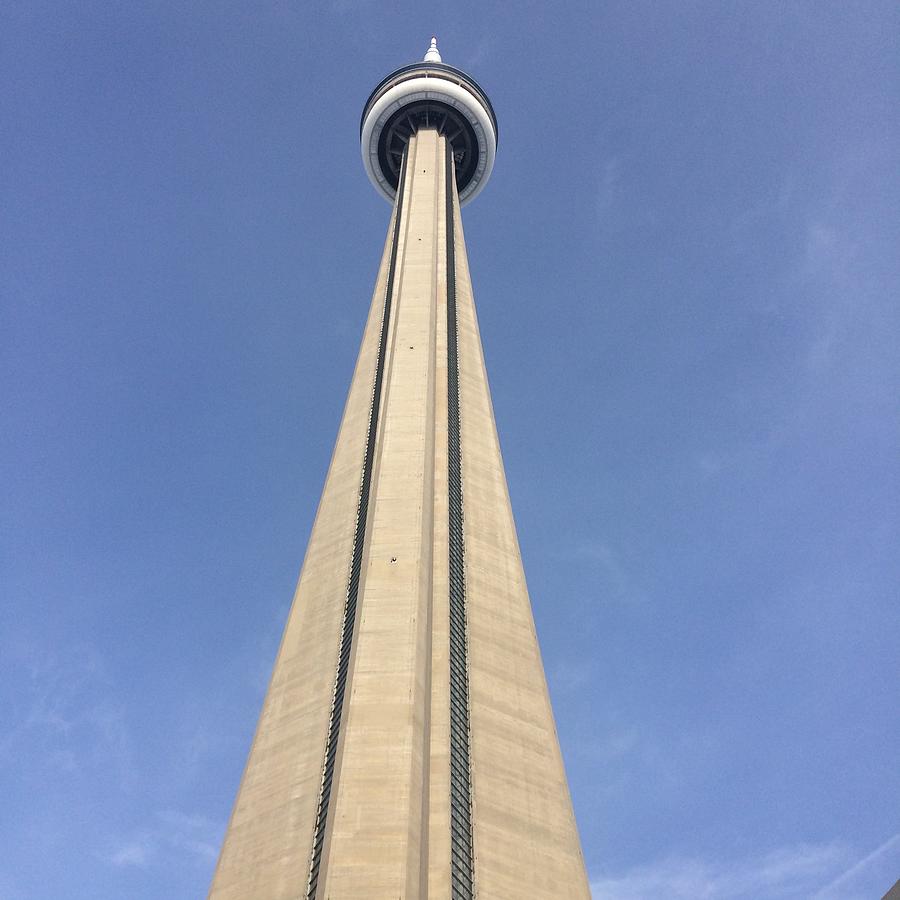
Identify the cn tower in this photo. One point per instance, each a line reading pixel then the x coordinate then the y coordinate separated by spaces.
pixel 406 746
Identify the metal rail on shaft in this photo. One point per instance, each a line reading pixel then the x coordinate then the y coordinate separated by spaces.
pixel 359 539
pixel 461 855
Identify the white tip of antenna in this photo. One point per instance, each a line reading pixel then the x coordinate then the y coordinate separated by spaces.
pixel 433 55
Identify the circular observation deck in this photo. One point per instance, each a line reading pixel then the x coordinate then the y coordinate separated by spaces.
pixel 435 95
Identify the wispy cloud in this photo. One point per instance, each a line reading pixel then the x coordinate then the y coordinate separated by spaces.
pixel 173 838
pixel 136 852
pixel 614 579
pixel 572 674
pixel 825 250
pixel 607 189
pixel 826 269
pixel 478 54
pixel 831 299
pixel 766 210
pixel 613 746
pixel 871 876
pixel 783 873
pixel 194 835
pixel 342 7
pixel 63 708
pixel 821 871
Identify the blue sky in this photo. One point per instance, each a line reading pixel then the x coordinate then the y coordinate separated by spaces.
pixel 687 272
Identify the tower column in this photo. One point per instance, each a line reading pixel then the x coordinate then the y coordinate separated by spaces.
pixel 379 829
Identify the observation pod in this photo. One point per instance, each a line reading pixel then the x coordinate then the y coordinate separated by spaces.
pixel 437 95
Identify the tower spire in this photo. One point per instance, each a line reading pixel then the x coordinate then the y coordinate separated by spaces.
pixel 432 54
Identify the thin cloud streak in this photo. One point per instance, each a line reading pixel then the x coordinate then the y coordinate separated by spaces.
pixel 789 872
pixel 64 709
pixel 784 874
pixel 875 872
pixel 136 853
pixel 175 837
pixel 616 580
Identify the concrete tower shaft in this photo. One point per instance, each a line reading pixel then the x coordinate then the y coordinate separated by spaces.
pixel 406 746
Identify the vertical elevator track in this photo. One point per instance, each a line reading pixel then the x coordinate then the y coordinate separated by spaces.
pixel 359 539
pixel 461 857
